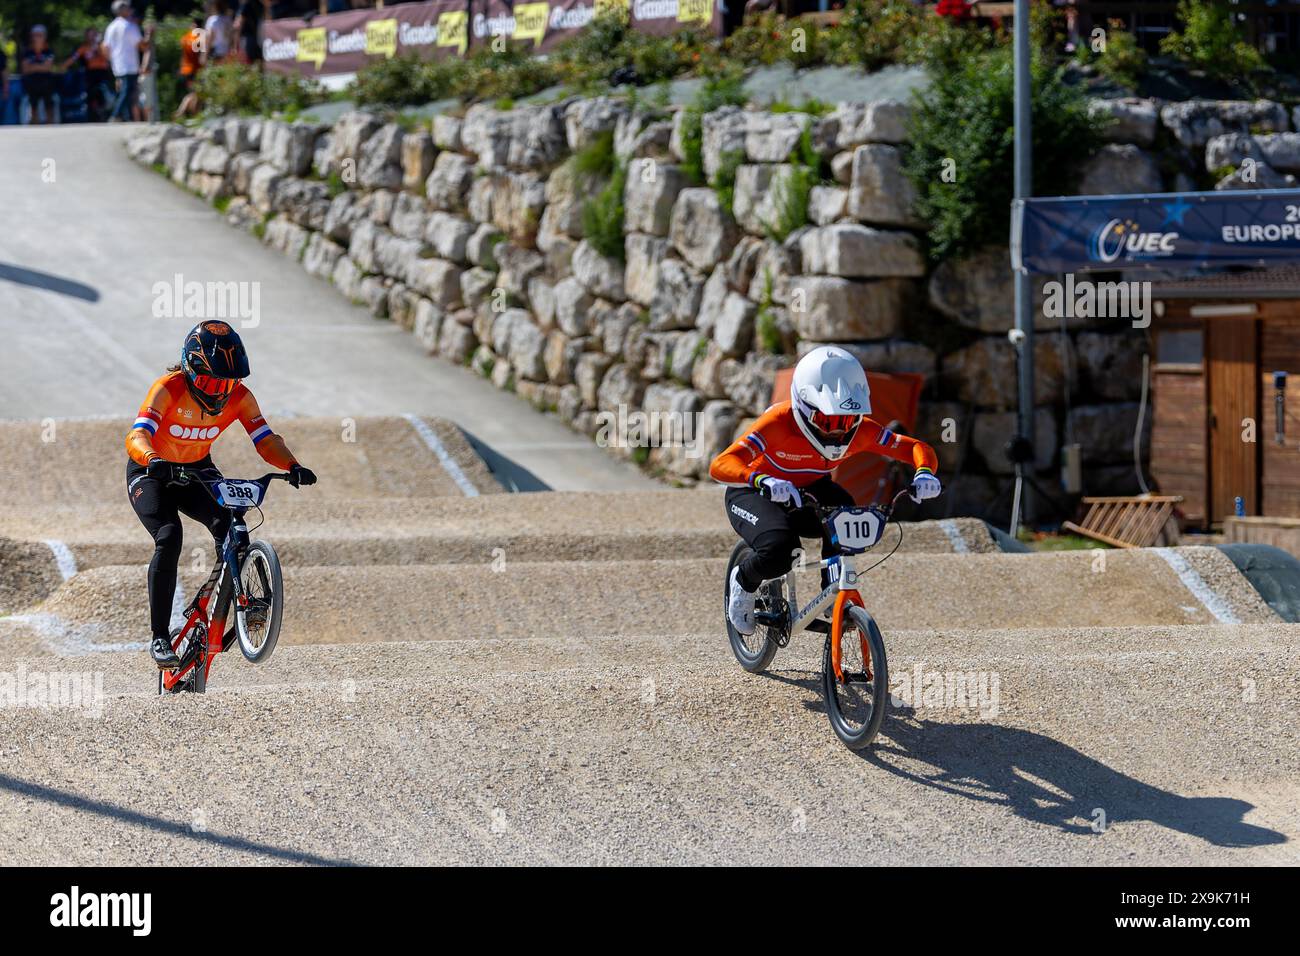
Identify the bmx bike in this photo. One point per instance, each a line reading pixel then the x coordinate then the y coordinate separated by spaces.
pixel 246 577
pixel 855 671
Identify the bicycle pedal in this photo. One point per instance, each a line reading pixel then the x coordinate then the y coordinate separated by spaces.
pixel 820 626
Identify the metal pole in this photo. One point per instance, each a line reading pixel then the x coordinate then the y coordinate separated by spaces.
pixel 1024 290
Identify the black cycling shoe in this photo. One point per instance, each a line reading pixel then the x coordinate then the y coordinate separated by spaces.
pixel 163 655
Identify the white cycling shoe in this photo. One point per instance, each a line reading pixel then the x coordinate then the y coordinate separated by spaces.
pixel 740 606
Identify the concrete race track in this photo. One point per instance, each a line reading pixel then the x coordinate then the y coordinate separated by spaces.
pixel 469 676
pixel 77 296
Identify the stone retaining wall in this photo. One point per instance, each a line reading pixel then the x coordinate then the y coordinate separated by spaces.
pixel 469 233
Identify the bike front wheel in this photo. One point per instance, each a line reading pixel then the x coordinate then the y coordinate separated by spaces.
pixel 258 623
pixel 856 705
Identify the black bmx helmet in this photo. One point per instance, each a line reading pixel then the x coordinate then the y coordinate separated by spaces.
pixel 213 360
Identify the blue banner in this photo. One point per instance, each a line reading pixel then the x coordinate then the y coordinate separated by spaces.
pixel 1157 230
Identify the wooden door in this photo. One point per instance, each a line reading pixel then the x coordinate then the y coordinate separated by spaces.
pixel 1279 351
pixel 1234 404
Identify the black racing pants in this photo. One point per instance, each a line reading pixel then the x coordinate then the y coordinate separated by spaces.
pixel 159 507
pixel 773 531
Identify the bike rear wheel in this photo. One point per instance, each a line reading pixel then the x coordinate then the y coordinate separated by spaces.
pixel 856 706
pixel 753 651
pixel 258 625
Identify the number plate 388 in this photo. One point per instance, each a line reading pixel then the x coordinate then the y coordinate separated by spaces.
pixel 239 494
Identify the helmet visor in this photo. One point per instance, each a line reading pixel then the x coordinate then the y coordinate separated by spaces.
pixel 834 429
pixel 215 387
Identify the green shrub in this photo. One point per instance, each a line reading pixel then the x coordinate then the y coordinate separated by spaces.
pixel 489 74
pixel 593 53
pixel 769 333
pixel 813 107
pixel 693 145
pixel 240 89
pixel 964 122
pixel 760 40
pixel 724 180
pixel 402 81
pixel 1211 41
pixel 875 33
pixel 597 158
pixel 1122 60
pixel 602 216
pixel 791 192
pixel 659 58
pixel 724 88
pixel 498 76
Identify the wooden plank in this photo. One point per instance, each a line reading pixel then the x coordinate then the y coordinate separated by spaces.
pixel 1095 535
pixel 1126 522
pixel 1153 520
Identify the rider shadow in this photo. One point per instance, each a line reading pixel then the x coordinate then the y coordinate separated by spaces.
pixel 48 281
pixel 1045 781
pixel 114 812
pixel 1039 778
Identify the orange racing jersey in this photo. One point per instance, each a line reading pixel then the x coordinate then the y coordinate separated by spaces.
pixel 774 446
pixel 173 427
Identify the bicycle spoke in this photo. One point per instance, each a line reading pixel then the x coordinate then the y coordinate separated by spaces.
pixel 855 695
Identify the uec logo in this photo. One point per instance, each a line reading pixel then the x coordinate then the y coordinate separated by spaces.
pixel 1117 237
pixel 198 434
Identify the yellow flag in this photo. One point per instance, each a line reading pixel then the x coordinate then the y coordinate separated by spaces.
pixel 311 46
pixel 695 11
pixel 453 30
pixel 381 38
pixel 530 21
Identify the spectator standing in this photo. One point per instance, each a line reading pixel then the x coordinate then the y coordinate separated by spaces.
pixel 99 74
pixel 193 47
pixel 122 44
pixel 147 109
pixel 248 21
pixel 218 27
pixel 40 82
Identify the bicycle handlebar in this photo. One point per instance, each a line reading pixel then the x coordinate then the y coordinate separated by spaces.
pixel 810 502
pixel 183 475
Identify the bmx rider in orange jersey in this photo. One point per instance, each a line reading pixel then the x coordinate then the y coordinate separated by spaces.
pixel 184 412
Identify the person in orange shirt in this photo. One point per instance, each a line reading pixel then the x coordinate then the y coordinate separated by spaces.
pixel 792 448
pixel 99 75
pixel 193 58
pixel 183 414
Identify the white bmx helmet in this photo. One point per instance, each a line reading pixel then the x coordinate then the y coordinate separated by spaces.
pixel 829 395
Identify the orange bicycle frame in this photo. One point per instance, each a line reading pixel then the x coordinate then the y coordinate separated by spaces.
pixel 837 634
